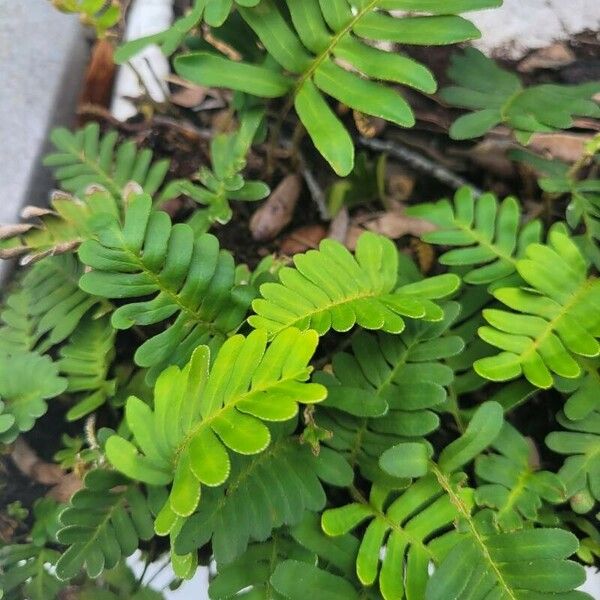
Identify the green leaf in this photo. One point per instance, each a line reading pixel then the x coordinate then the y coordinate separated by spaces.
pixel 331 289
pixel 409 459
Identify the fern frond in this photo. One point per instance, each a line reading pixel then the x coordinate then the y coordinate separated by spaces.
pixel 27 380
pixel 103 522
pixel 308 49
pixel 515 488
pixel 387 390
pixel 85 361
pixel 99 14
pixel 498 96
pixel 25 572
pixel 200 413
pixel 331 289
pixel 490 237
pixel 558 318
pixel 87 158
pixel 584 392
pixel 60 229
pixel 224 182
pixel 189 277
pixel 418 523
pixel 48 306
pixel 580 472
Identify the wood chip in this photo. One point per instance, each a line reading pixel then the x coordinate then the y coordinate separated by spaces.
pixel 277 211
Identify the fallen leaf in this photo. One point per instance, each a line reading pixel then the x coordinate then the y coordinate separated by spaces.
pixel 553 57
pixel 189 96
pixel 395 224
pixel 368 126
pixel 99 76
pixel 277 211
pixel 302 239
pixel 424 253
pixel 567 147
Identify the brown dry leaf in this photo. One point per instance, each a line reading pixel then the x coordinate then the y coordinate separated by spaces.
pixel 424 253
pixel 368 126
pixel 553 57
pixel 354 232
pixel 189 96
pixel 302 239
pixel 395 224
pixel 99 76
pixel 64 485
pixel 567 147
pixel 277 211
pixel 400 183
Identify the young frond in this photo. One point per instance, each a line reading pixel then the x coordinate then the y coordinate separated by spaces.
pixel 580 473
pixel 514 487
pixel 225 181
pixel 553 322
pixel 489 237
pixel 103 522
pixel 189 277
pixel 331 289
pixel 85 361
pixel 498 96
pixel 202 413
pixel 25 572
pixel 27 380
pixel 87 158
pixel 284 478
pixel 309 48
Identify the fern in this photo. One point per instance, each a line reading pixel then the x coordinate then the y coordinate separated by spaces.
pixel 331 289
pixel 497 96
pixel 58 230
pixel 387 391
pixel 85 362
pixel 584 391
pixel 23 397
pixel 558 318
pixel 98 14
pixel 103 522
pixel 200 413
pixel 581 470
pixel 48 306
pixel 488 236
pixel 224 182
pixel 514 487
pixel 189 277
pixel 322 33
pixel 87 158
pixel 25 572
pixel 284 478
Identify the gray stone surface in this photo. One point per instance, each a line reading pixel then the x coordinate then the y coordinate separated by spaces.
pixel 42 56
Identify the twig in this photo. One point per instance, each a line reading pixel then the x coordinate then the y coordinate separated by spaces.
pixel 317 193
pixel 419 162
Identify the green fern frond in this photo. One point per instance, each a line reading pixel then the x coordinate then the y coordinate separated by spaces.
pixel 490 237
pixel 309 47
pixel 200 413
pixel 98 14
pixel 558 318
pixel 189 276
pixel 25 572
pixel 85 361
pixel 387 390
pixel 514 487
pixel 285 477
pixel 580 472
pixel 87 158
pixel 60 229
pixel 224 182
pixel 584 392
pixel 103 522
pixel 331 289
pixel 27 380
pixel 498 96
pixel 48 306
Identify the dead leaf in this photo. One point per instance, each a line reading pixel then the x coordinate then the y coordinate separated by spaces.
pixel 302 239
pixel 10 231
pixel 354 232
pixel 424 253
pixel 99 76
pixel 277 211
pixel 368 126
pixel 189 96
pixel 395 224
pixel 553 57
pixel 567 147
